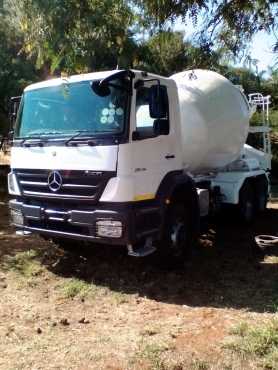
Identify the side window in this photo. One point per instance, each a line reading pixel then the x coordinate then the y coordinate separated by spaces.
pixel 145 124
pixel 143 118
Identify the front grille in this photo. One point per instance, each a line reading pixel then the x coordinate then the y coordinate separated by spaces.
pixel 59 226
pixel 76 185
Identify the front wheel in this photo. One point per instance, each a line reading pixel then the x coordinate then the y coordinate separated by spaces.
pixel 178 236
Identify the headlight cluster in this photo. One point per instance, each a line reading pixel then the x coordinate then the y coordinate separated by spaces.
pixel 109 228
pixel 13 185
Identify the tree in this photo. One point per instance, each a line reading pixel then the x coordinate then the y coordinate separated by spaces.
pixel 250 82
pixel 229 24
pixel 160 12
pixel 166 53
pixel 233 23
pixel 74 36
pixel 270 86
pixel 16 72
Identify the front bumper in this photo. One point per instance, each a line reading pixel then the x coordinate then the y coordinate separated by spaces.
pixel 138 219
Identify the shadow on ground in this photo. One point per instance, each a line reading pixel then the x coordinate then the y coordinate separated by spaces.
pixel 226 271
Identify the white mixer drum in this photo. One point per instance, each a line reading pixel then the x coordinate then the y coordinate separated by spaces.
pixel 214 119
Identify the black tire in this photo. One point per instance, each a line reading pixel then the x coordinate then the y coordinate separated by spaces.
pixel 247 203
pixel 261 203
pixel 261 195
pixel 65 244
pixel 178 236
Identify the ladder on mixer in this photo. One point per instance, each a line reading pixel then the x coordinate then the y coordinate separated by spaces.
pixel 257 100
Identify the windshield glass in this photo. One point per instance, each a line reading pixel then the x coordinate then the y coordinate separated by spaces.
pixel 71 108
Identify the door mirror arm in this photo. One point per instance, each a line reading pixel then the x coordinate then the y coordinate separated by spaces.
pixel 136 136
pixel 10 135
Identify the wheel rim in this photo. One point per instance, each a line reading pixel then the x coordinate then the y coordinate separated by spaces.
pixel 178 238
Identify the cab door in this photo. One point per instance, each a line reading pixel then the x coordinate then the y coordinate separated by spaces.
pixel 153 142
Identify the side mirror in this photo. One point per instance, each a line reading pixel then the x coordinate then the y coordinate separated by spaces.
pixel 161 127
pixel 158 102
pixel 13 109
pixel 101 89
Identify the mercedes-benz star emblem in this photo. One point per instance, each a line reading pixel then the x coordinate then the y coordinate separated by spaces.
pixel 55 181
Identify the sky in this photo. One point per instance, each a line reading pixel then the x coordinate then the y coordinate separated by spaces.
pixel 260 48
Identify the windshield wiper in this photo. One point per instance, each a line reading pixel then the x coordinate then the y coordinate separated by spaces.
pixel 29 141
pixel 76 135
pixel 36 138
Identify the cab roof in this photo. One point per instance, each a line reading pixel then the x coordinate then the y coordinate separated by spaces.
pixel 92 76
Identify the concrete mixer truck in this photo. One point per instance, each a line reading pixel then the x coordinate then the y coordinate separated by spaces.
pixel 132 158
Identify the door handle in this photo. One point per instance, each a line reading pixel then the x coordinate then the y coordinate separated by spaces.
pixel 169 156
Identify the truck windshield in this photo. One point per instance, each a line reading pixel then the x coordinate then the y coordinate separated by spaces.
pixel 71 108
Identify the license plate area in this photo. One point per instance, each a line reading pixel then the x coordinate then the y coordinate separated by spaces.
pixel 16 217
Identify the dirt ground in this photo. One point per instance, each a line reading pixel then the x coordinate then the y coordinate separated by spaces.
pixel 95 308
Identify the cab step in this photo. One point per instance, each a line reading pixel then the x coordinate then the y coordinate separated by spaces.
pixel 144 251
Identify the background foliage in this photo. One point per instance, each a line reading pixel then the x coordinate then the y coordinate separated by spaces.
pixel 43 38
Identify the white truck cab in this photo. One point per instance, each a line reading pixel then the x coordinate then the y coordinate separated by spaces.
pixel 99 157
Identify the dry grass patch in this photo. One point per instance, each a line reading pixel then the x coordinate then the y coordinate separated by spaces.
pixel 74 287
pixel 24 263
pixel 259 343
pixel 120 298
pixel 198 364
pixel 156 355
pixel 151 353
pixel 150 331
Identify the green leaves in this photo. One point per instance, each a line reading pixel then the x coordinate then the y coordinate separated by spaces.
pixel 75 36
pixel 42 38
pixel 15 71
pixel 226 23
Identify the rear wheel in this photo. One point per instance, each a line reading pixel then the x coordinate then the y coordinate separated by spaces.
pixel 247 203
pixel 261 194
pixel 262 202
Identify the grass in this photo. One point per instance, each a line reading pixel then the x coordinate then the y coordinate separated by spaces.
pixel 274 119
pixel 258 342
pixel 144 333
pixel 159 355
pixel 275 304
pixel 199 365
pixel 119 297
pixel 152 353
pixel 150 331
pixel 24 263
pixel 74 287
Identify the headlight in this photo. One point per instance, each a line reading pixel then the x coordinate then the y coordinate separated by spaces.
pixel 109 228
pixel 13 185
